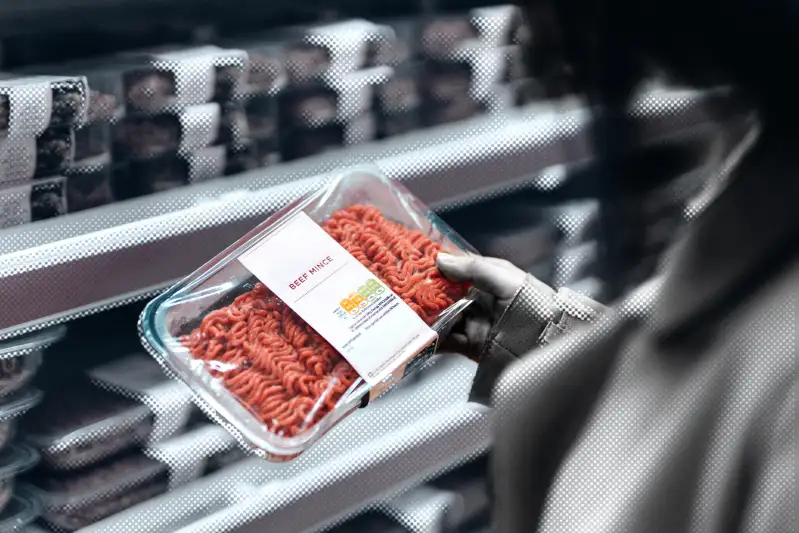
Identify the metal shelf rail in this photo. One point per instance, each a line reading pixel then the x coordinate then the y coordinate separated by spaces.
pixel 91 261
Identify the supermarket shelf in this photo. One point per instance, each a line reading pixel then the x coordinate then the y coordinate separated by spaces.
pixel 95 260
pixel 43 15
pixel 397 443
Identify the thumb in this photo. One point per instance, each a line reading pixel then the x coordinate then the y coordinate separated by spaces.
pixel 488 276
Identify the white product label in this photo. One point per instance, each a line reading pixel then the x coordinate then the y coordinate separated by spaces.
pixel 346 42
pixel 361 130
pixel 207 164
pixel 190 53
pixel 337 296
pixel 495 23
pixel 30 107
pixel 15 206
pixel 355 91
pixel 194 75
pixel 17 160
pixel 140 378
pixel 199 126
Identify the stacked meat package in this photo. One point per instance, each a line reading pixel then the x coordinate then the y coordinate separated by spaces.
pixel 317 84
pixel 473 62
pixel 125 433
pixel 448 68
pixel 38 119
pixel 180 125
pixel 153 120
pixel 20 359
pixel 80 135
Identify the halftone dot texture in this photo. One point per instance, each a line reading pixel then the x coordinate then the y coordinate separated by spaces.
pixel 424 510
pixel 334 476
pixel 672 424
pixel 416 431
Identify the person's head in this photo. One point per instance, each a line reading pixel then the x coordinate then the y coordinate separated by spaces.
pixel 747 44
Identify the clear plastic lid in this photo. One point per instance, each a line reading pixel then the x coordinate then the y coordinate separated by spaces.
pixel 17 459
pixel 26 344
pixel 265 373
pixel 19 403
pixel 21 511
pixel 99 482
pixel 87 411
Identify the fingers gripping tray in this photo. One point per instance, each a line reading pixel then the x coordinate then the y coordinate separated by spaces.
pixel 319 309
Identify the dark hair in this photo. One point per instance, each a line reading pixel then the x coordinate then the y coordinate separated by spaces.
pixel 603 47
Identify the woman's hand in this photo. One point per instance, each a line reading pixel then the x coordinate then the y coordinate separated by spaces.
pixel 497 280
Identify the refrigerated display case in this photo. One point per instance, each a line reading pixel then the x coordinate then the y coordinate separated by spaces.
pixel 149 197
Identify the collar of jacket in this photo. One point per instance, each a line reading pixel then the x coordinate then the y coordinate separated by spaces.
pixel 752 226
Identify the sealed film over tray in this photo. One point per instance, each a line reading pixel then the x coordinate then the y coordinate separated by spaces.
pixel 325 305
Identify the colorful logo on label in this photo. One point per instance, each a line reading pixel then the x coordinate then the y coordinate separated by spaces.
pixel 361 299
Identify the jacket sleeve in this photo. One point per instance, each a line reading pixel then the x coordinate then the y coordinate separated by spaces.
pixel 536 316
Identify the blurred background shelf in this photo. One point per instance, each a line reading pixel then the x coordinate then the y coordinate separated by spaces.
pixel 120 253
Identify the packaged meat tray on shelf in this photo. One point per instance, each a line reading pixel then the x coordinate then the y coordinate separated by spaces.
pixel 90 186
pixel 348 44
pixel 338 320
pixel 105 101
pixel 121 405
pixel 305 142
pixel 195 453
pixel 447 93
pixel 93 146
pixel 21 511
pixel 48 154
pixel 147 176
pixel 152 81
pixel 299 55
pixel 74 500
pixel 11 409
pixel 30 202
pixel 397 45
pixel 488 78
pixel 261 116
pixel 398 102
pixel 138 377
pixel 21 357
pixel 92 424
pixel 443 35
pixel 319 103
pixel 323 116
pixel 180 132
pixel 266 73
pixel 31 104
pixel 16 459
pixel 170 78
